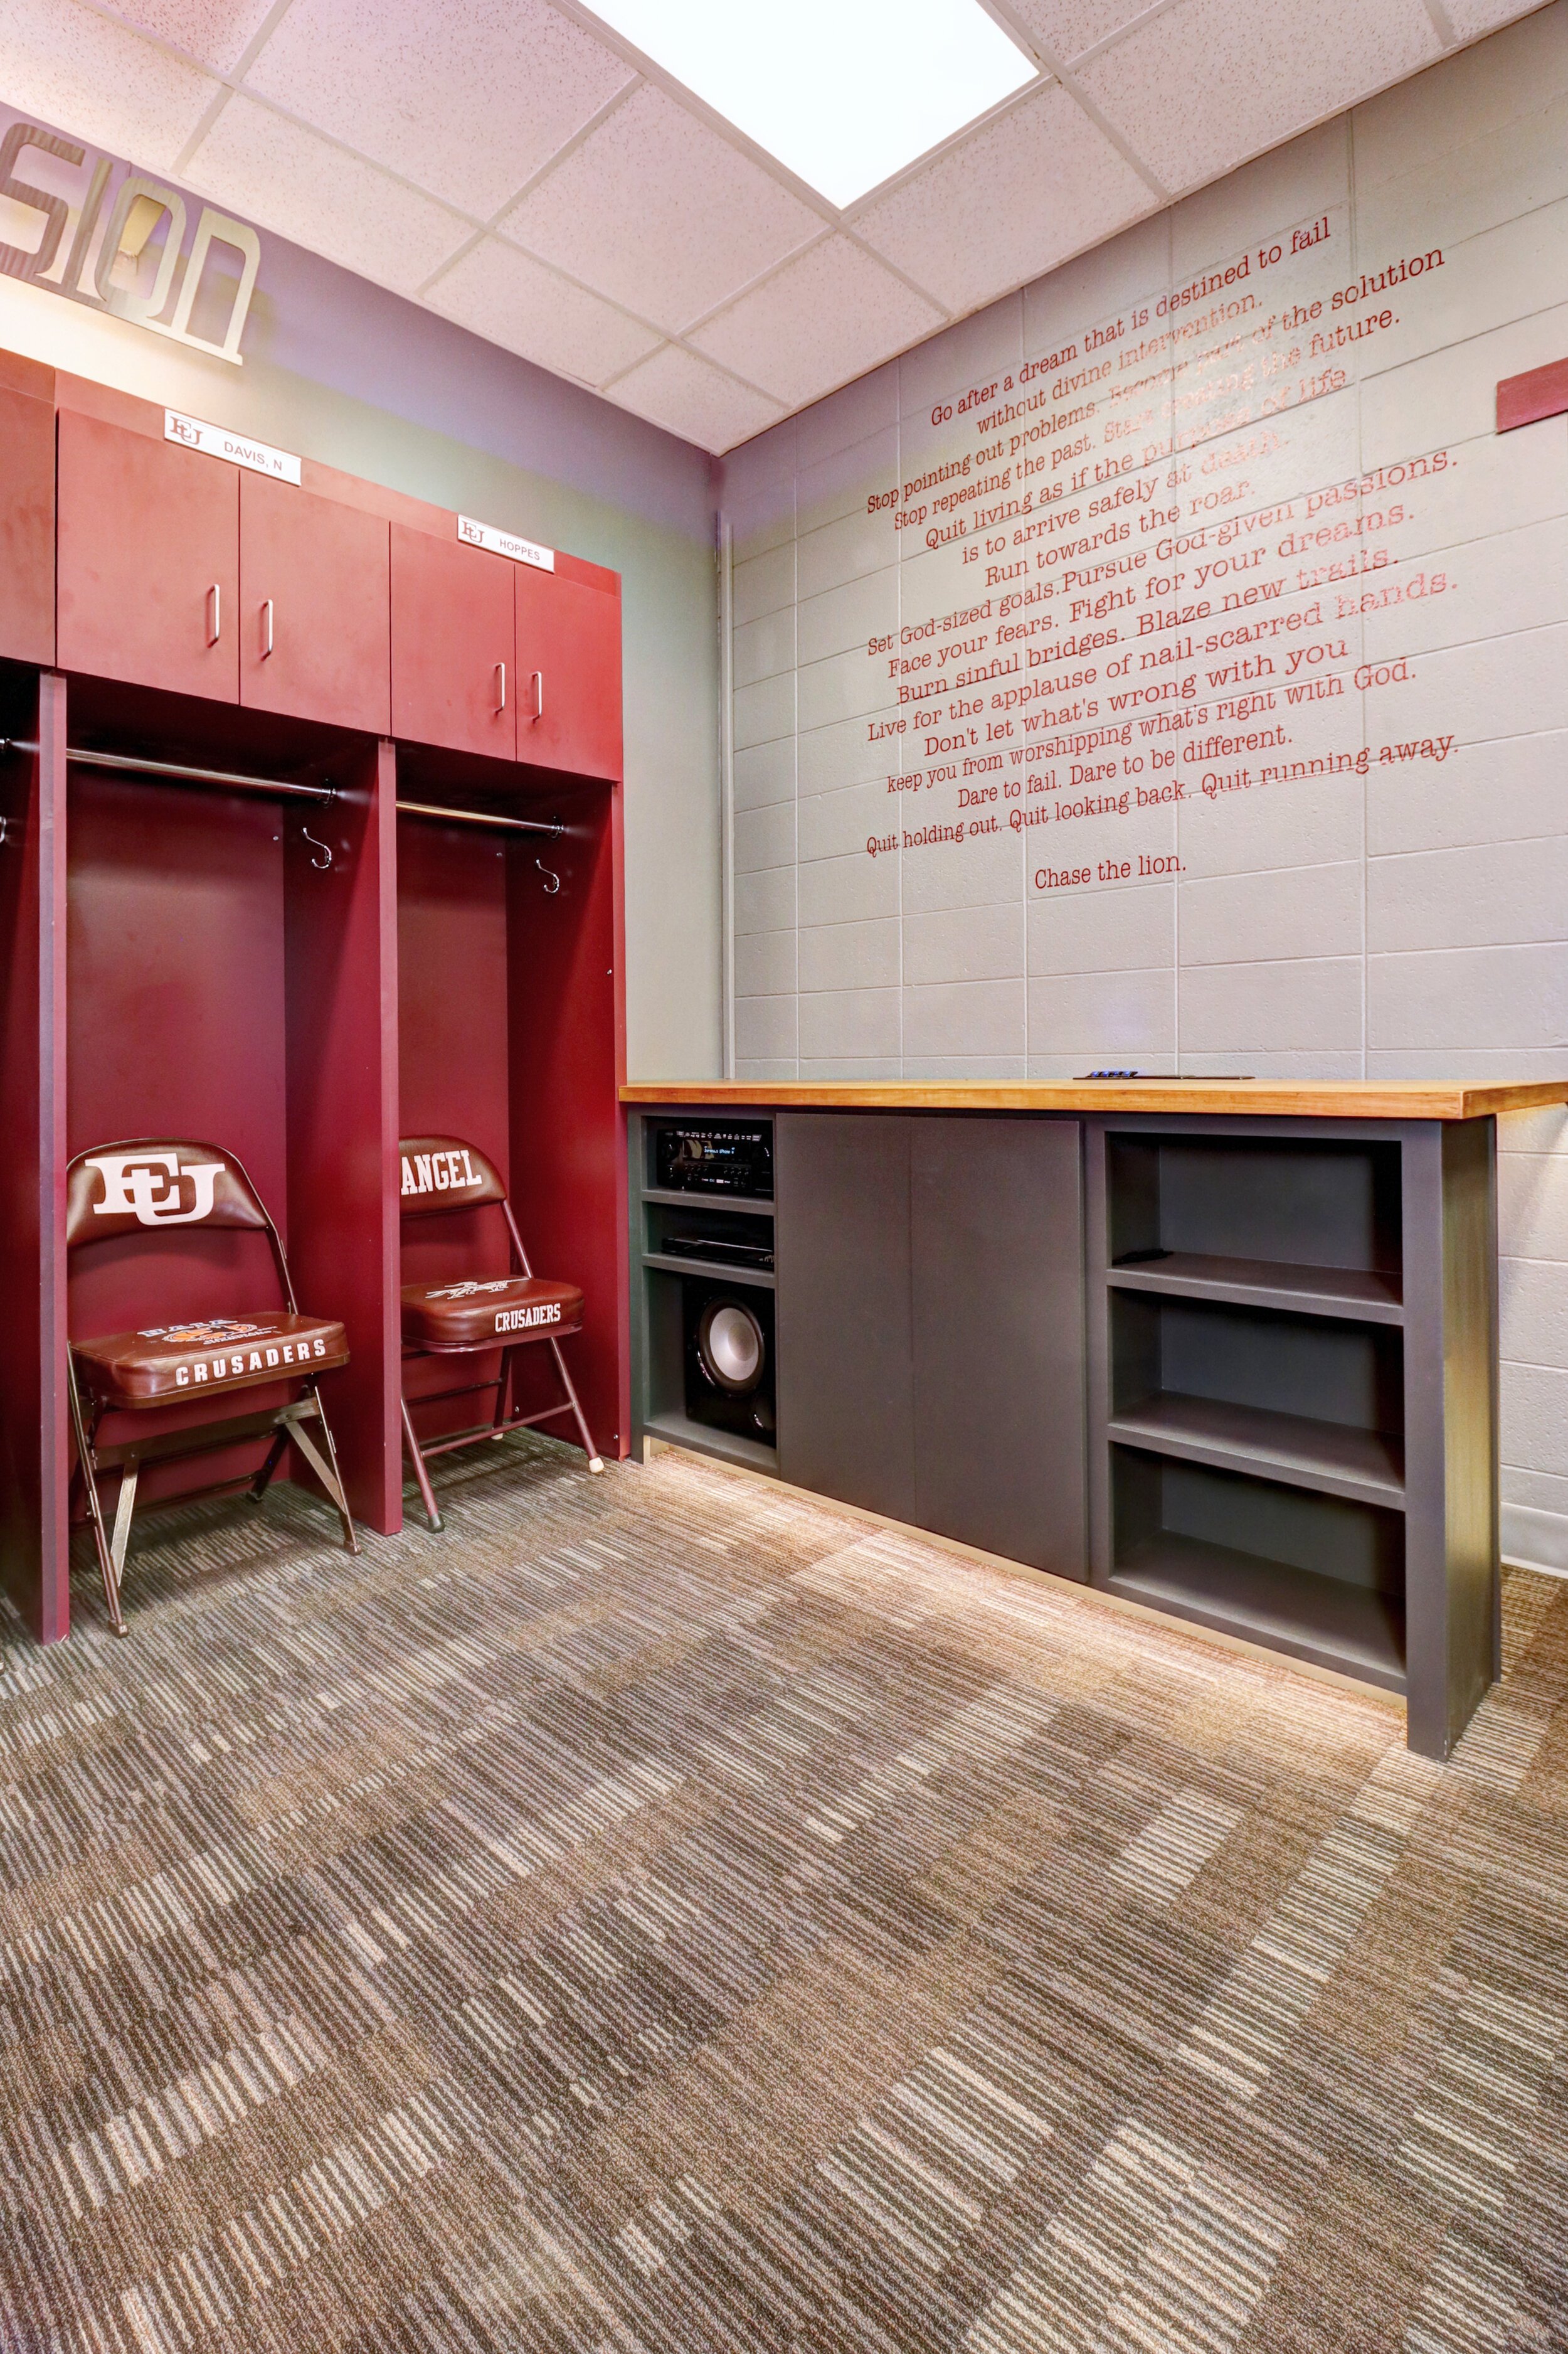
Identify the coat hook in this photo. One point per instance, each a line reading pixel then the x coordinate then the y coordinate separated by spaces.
pixel 324 861
pixel 5 829
pixel 552 881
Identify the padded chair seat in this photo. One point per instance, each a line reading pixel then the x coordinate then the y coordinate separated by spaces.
pixel 170 1362
pixel 492 1315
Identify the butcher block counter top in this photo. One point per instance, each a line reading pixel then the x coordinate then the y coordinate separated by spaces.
pixel 1274 1098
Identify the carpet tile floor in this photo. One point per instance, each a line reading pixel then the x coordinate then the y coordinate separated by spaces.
pixel 667 1914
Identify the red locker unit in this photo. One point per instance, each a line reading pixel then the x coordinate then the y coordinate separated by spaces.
pixel 293 977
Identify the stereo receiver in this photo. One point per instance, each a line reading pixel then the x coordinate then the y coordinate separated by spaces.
pixel 715 1157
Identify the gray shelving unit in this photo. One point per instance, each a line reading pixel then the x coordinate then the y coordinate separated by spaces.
pixel 1292 1386
pixel 659 1214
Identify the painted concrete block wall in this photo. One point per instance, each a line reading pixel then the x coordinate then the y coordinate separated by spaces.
pixel 1160 671
pixel 344 372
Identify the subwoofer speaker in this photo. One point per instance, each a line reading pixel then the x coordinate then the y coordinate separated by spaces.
pixel 729 1358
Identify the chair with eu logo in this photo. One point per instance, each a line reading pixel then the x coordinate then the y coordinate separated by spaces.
pixel 468 1317
pixel 149 1190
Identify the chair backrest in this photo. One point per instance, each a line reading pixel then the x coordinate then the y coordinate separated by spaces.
pixel 441 1172
pixel 150 1185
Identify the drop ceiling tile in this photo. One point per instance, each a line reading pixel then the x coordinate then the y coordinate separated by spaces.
pixel 70 67
pixel 217 32
pixel 684 394
pixel 277 174
pixel 659 212
pixel 1470 18
pixel 1008 204
pixel 828 316
pixel 1212 81
pixel 1068 27
pixel 468 99
pixel 515 302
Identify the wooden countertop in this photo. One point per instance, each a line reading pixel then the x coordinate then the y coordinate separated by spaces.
pixel 1278 1099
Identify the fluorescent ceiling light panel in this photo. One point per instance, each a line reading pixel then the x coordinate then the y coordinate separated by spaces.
pixel 843 93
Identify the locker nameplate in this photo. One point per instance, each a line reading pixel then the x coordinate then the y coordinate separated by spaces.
pixel 505 543
pixel 217 441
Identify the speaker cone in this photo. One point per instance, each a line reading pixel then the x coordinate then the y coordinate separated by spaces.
pixel 730 1347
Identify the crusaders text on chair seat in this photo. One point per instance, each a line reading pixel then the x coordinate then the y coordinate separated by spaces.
pixel 438 1316
pixel 479 1315
pixel 145 1192
pixel 168 1362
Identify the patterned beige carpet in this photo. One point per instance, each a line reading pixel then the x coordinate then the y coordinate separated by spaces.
pixel 663 1915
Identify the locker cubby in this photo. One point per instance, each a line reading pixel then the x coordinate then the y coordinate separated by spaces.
pixel 1319 1576
pixel 220 984
pixel 509 1037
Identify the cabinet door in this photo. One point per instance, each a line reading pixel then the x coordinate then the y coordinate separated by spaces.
pixel 149 561
pixel 27 528
pixel 454 672
pixel 314 602
pixel 847 1403
pixel 569 662
pixel 997 1251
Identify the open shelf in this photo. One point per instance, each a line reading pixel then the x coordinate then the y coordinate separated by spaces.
pixel 1316 1574
pixel 1368 1465
pixel 712 1270
pixel 761 1207
pixel 702 1439
pixel 1369 1295
pixel 1356 1629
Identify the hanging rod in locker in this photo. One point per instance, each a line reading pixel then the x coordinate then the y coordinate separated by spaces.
pixel 481 817
pixel 179 772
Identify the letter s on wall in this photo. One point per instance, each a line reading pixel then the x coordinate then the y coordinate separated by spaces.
pixel 14 261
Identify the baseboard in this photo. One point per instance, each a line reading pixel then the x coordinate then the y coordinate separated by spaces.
pixel 1535 1540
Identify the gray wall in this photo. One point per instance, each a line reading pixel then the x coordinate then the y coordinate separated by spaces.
pixel 1352 864
pixel 344 372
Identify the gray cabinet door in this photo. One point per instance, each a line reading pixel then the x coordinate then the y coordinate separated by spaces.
pixel 846 1389
pixel 998 1314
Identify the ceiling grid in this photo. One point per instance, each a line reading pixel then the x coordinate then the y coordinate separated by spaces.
pixel 519 167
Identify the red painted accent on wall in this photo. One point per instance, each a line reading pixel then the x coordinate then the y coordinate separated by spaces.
pixel 1526 399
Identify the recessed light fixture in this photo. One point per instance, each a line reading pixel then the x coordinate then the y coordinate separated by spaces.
pixel 843 93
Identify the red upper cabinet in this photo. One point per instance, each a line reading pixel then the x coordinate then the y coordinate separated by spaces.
pixel 568 663
pixel 27 511
pixel 313 607
pixel 454 669
pixel 149 561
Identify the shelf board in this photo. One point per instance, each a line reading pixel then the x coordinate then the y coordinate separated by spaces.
pixel 1351 1292
pixel 702 1439
pixel 712 1270
pixel 742 1204
pixel 1351 1628
pixel 1333 1457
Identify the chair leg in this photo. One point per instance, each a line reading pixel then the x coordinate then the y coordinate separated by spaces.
pixel 263 1479
pixel 94 1508
pixel 502 1395
pixel 596 1461
pixel 426 1493
pixel 327 1472
pixel 125 1506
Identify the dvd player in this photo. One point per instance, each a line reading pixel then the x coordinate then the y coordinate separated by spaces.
pixel 718 1251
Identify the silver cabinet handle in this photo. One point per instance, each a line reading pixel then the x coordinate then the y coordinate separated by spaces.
pixel 266 627
pixel 538 712
pixel 214 615
pixel 501 686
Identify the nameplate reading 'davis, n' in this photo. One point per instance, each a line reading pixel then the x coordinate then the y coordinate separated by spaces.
pixel 215 441
pixel 505 543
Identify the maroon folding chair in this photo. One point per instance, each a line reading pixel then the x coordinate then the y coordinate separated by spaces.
pixel 464 1317
pixel 148 1185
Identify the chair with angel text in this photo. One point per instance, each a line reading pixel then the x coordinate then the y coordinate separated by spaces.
pixel 153 1187
pixel 464 1319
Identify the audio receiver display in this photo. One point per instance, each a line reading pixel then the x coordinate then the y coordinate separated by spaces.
pixel 715 1157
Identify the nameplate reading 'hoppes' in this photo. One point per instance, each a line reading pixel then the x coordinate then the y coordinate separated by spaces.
pixel 148 1186
pixel 440 1173
pixel 505 543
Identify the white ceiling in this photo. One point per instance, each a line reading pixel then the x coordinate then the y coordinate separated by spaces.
pixel 514 166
